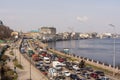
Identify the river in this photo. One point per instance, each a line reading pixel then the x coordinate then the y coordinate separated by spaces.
pixel 96 49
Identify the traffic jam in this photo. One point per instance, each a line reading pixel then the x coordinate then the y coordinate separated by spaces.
pixel 56 67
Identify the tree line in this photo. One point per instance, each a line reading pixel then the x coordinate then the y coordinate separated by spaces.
pixel 5 32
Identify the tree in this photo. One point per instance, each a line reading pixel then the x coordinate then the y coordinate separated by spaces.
pixel 82 64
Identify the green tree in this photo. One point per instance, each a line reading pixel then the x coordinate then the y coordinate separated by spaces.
pixel 82 64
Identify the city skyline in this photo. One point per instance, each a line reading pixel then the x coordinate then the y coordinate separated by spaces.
pixel 83 16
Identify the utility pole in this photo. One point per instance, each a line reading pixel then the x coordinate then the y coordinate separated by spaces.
pixel 114 47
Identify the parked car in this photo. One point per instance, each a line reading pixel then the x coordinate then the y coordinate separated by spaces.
pixel 60 78
pixel 47 67
pixel 105 78
pixel 69 67
pixel 43 70
pixel 94 75
pixel 100 73
pixel 86 75
pixel 47 60
pixel 77 71
pixel 75 67
pixel 88 68
pixel 74 77
pixel 61 60
pixel 66 73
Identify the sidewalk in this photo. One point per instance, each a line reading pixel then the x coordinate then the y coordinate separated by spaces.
pixel 24 74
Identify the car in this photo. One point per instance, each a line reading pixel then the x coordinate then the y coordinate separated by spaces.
pixel 43 70
pixel 86 75
pixel 74 77
pixel 60 59
pixel 40 63
pixel 77 71
pixel 69 67
pixel 47 67
pixel 66 73
pixel 94 75
pixel 88 68
pixel 60 78
pixel 100 73
pixel 75 67
pixel 62 64
pixel 105 78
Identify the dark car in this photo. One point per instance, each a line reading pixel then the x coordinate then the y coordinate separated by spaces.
pixel 86 75
pixel 43 70
pixel 89 69
pixel 47 67
pixel 74 77
pixel 60 78
pixel 101 73
pixel 69 67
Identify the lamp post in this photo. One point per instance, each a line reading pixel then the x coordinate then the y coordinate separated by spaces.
pixel 29 51
pixel 114 47
pixel 15 51
pixel 30 68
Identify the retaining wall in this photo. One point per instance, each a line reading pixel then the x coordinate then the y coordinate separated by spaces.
pixel 90 61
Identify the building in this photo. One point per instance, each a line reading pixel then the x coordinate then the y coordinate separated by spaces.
pixel 48 30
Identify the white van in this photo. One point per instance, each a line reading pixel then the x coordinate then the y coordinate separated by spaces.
pixel 46 60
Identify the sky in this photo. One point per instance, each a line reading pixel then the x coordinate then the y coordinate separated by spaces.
pixel 64 15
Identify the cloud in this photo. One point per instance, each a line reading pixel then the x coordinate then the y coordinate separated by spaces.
pixel 82 18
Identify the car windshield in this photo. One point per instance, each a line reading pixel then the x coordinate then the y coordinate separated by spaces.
pixel 78 70
pixel 58 66
pixel 66 72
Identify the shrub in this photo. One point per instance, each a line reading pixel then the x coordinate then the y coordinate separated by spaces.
pixel 4 57
pixel 17 64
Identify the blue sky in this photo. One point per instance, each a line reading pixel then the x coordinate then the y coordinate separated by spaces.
pixel 81 15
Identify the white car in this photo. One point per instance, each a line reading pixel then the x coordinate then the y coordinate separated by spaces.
pixel 66 73
pixel 63 64
pixel 105 78
pixel 75 67
pixel 77 71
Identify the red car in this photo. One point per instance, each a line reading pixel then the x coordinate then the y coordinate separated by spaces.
pixel 60 59
pixel 94 75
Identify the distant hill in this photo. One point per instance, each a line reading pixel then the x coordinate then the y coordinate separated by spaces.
pixel 5 32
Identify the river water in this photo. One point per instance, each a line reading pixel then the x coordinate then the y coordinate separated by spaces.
pixel 96 49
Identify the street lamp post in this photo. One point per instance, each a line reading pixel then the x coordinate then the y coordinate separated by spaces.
pixel 30 68
pixel 29 51
pixel 114 47
pixel 15 51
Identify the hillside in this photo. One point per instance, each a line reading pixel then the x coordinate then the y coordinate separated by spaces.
pixel 5 32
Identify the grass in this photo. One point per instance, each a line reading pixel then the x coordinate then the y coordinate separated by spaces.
pixel 16 63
